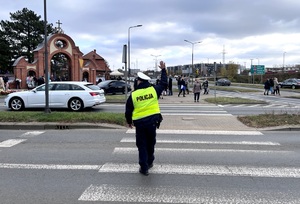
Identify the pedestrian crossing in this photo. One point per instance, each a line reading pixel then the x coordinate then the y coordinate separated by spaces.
pixel 270 102
pixel 277 106
pixel 193 144
pixel 174 194
pixel 13 142
pixel 197 159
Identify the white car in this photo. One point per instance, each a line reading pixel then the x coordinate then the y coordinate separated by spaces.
pixel 62 94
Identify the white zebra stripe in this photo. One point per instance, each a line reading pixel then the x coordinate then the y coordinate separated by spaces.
pixel 202 132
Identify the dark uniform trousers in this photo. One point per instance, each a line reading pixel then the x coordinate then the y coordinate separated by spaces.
pixel 145 142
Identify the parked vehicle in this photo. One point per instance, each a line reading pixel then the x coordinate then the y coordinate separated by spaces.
pixel 73 95
pixel 290 83
pixel 223 82
pixel 114 86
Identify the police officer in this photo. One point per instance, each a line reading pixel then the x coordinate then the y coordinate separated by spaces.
pixel 142 111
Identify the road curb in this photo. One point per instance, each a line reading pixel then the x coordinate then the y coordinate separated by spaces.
pixel 57 126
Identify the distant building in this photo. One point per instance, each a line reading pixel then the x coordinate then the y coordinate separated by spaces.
pixel 65 62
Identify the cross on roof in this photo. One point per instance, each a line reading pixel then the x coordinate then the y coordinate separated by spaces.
pixel 58 23
pixel 58 29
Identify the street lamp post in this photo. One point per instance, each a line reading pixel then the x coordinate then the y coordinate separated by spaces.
pixel 47 109
pixel 128 62
pixel 252 71
pixel 283 61
pixel 193 43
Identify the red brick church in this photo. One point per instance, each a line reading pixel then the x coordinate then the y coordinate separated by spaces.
pixel 65 60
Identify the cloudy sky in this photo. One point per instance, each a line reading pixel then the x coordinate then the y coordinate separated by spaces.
pixel 267 31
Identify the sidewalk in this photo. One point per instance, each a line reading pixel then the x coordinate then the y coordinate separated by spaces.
pixel 199 122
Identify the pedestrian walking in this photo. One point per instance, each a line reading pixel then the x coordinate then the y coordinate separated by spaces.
pixel 196 90
pixel 186 84
pixel 179 82
pixel 205 86
pixel 267 87
pixel 170 84
pixel 143 112
pixel 276 87
pixel 271 81
pixel 182 87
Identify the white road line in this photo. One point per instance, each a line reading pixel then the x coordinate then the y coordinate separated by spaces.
pixel 241 105
pixel 132 140
pixel 254 105
pixel 202 132
pixel 267 106
pixel 180 194
pixel 49 166
pixel 132 150
pixel 185 169
pixel 194 111
pixel 200 114
pixel 11 142
pixel 218 170
pixel 32 133
pixel 187 106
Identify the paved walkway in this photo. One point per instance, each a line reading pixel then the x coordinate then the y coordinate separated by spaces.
pixel 199 122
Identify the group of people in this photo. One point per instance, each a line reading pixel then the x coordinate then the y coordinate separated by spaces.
pixel 183 88
pixel 33 81
pixel 167 88
pixel 271 85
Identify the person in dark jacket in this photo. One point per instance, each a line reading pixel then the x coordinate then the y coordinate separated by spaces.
pixel 267 87
pixel 170 86
pixel 205 86
pixel 143 112
pixel 182 87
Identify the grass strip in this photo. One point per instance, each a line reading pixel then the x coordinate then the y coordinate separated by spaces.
pixel 64 117
pixel 270 120
pixel 233 100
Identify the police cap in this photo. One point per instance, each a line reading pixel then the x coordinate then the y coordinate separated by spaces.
pixel 143 77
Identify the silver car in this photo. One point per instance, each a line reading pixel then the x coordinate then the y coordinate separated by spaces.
pixel 73 95
pixel 290 83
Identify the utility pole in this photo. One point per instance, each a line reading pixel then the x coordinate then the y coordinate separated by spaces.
pixel 252 71
pixel 156 69
pixel 223 53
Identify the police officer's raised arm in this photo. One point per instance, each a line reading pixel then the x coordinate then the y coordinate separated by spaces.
pixel 163 79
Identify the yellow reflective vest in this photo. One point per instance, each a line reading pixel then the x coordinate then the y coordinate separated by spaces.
pixel 145 102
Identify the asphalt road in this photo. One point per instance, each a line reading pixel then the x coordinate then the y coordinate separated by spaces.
pixel 80 166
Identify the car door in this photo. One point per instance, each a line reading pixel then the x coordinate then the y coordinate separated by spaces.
pixel 112 87
pixel 60 95
pixel 120 86
pixel 36 97
pixel 289 83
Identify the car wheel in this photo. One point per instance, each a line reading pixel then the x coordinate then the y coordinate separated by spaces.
pixel 75 104
pixel 16 104
pixel 293 86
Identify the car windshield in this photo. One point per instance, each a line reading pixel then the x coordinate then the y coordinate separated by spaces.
pixel 92 86
pixel 43 87
pixel 103 83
